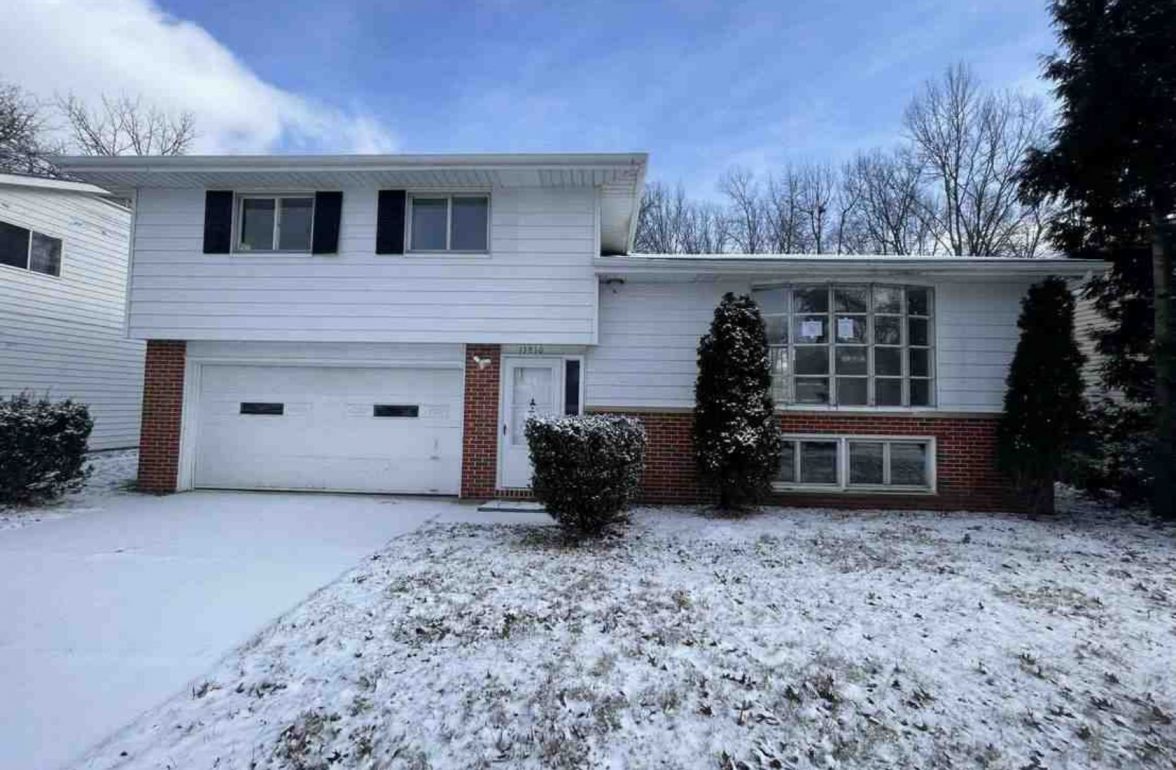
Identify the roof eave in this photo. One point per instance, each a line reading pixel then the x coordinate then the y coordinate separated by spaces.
pixel 924 266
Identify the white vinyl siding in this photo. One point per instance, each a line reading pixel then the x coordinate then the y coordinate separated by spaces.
pixel 536 284
pixel 64 336
pixel 649 335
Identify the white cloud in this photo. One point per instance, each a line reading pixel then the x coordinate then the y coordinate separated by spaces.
pixel 132 47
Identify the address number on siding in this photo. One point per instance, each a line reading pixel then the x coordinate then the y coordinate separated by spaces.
pixel 530 350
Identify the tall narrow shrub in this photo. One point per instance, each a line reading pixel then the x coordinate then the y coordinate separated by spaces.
pixel 736 434
pixel 1044 408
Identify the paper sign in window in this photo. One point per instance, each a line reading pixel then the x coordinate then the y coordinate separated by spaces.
pixel 812 329
pixel 845 329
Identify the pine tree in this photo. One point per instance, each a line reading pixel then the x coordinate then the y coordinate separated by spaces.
pixel 1112 167
pixel 736 435
pixel 1044 410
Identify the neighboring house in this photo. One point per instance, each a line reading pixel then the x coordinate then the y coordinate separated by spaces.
pixel 386 323
pixel 63 287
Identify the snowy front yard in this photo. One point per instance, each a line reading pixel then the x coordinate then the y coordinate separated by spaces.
pixel 787 639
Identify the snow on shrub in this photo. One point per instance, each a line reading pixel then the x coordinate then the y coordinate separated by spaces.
pixel 586 469
pixel 42 448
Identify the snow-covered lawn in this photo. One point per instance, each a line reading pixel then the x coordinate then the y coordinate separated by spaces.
pixel 112 474
pixel 791 638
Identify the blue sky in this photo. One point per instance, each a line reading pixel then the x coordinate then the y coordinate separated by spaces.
pixel 700 85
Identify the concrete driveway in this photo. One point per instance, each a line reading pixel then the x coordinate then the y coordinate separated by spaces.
pixel 111 609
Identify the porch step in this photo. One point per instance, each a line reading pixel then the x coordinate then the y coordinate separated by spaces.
pixel 513 506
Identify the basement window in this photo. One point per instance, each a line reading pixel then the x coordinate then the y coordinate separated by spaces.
pixel 856 464
pixel 262 407
pixel 396 410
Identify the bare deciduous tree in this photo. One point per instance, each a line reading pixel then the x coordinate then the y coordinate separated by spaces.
pixel 891 212
pixel 125 126
pixel 748 215
pixel 971 144
pixel 23 147
pixel 670 223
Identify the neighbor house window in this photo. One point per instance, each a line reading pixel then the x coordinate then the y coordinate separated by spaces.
pixel 449 223
pixel 274 222
pixel 853 345
pixel 29 250
pixel 848 464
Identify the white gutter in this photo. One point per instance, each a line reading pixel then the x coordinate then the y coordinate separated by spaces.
pixel 813 264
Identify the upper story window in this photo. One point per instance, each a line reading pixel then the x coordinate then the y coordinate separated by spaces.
pixel 853 345
pixel 459 223
pixel 274 222
pixel 29 250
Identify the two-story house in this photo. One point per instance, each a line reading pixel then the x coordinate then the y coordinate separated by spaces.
pixel 386 324
pixel 63 288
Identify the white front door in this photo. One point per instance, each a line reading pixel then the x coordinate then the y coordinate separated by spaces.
pixel 530 386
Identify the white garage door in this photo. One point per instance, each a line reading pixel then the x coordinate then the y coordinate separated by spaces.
pixel 328 428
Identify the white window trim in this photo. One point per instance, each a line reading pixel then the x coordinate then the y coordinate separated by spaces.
pixel 871 379
pixel 28 265
pixel 448 196
pixel 843 487
pixel 238 216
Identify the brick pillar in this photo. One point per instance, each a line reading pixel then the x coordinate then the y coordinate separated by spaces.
pixel 479 444
pixel 163 398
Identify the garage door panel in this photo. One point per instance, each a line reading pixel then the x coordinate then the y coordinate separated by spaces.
pixel 328 436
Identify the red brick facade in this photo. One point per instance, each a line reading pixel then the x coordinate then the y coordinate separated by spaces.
pixel 163 400
pixel 965 460
pixel 479 442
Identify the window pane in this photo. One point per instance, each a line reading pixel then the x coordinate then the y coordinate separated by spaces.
pixel 850 360
pixel 865 462
pixel 469 224
pixel 849 300
pixel 887 392
pixel 812 390
pixel 779 362
pixel 852 391
pixel 810 329
pixel 888 330
pixel 888 361
pixel 920 392
pixel 572 387
pixel 887 299
pixel 294 226
pixel 771 301
pixel 46 255
pixel 787 467
pixel 851 328
pixel 14 245
pixel 777 328
pixel 257 224
pixel 813 300
pixel 428 223
pixel 918 301
pixel 908 464
pixel 920 363
pixel 917 331
pixel 812 360
pixel 818 462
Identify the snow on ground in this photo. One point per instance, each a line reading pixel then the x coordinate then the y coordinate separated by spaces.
pixel 787 639
pixel 112 474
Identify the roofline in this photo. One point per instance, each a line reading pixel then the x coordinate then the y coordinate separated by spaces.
pixel 181 163
pixel 764 264
pixel 49 183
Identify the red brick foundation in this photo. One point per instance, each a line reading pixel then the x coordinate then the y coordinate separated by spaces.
pixel 163 400
pixel 966 475
pixel 479 443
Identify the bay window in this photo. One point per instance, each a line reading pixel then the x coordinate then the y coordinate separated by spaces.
pixel 851 345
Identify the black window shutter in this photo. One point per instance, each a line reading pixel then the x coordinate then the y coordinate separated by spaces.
pixel 390 222
pixel 218 221
pixel 327 207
